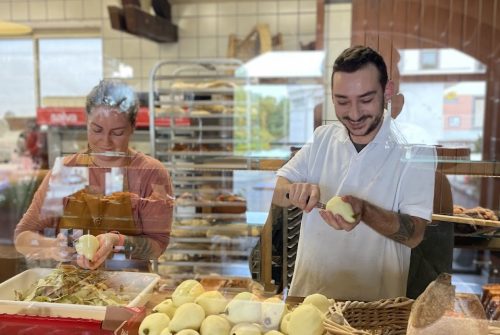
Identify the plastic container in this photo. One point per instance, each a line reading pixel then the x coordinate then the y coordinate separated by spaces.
pixel 137 285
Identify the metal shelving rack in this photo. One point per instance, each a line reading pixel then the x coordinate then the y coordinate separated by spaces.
pixel 201 155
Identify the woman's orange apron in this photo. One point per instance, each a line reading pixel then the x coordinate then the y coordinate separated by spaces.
pixel 96 213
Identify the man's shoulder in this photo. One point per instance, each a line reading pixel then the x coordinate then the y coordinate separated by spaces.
pixel 332 131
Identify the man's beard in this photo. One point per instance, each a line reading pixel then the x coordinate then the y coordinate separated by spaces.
pixel 373 126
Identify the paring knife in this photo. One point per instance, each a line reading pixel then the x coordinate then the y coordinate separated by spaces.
pixel 318 204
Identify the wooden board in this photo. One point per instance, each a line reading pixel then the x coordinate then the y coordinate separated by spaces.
pixel 461 219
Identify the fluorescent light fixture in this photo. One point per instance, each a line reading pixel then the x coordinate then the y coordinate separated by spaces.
pixel 285 64
pixel 14 29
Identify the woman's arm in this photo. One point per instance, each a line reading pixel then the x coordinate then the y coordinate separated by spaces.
pixel 154 211
pixel 28 239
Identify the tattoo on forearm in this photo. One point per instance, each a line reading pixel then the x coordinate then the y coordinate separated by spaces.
pixel 406 229
pixel 138 247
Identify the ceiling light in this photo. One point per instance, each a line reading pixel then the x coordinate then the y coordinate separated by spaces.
pixel 14 29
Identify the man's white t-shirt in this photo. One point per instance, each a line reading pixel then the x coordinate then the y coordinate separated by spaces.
pixel 361 264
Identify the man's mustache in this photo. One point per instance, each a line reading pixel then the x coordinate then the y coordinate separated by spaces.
pixel 364 117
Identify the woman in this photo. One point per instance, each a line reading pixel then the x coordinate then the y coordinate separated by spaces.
pixel 127 198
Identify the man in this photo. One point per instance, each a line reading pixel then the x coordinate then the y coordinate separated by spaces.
pixel 388 184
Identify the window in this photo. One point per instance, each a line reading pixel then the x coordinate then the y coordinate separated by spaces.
pixel 478 112
pixel 429 59
pixel 17 70
pixel 69 67
pixel 454 121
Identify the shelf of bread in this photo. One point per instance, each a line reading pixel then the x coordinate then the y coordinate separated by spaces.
pixel 466 220
pixel 200 114
pixel 477 216
pixel 472 168
pixel 230 163
pixel 206 153
pixel 186 142
pixel 204 128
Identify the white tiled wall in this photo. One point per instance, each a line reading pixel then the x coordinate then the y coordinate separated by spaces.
pixel 204 29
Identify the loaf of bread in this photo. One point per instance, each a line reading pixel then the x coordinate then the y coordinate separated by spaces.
pixel 439 311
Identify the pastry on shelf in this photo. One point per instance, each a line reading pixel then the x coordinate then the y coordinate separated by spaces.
pixel 163 112
pixel 234 204
pixel 230 197
pixel 232 230
pixel 179 85
pixel 180 231
pixel 213 108
pixel 475 213
pixel 180 147
pixel 192 222
pixel 185 198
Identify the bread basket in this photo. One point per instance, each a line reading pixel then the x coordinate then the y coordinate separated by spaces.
pixel 381 317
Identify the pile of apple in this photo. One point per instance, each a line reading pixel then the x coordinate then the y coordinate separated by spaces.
pixel 194 311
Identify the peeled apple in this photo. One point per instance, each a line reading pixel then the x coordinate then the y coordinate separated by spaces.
pixel 187 291
pixel 87 246
pixel 284 323
pixel 166 306
pixel 215 325
pixel 319 300
pixel 272 312
pixel 273 332
pixel 166 331
pixel 338 206
pixel 187 316
pixel 187 332
pixel 213 302
pixel 154 324
pixel 306 319
pixel 244 307
pixel 246 329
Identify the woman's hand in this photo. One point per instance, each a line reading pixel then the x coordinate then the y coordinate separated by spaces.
pixel 57 249
pixel 337 221
pixel 304 195
pixel 106 243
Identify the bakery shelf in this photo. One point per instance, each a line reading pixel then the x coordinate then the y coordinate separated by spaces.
pixel 206 140
pixel 219 253
pixel 212 240
pixel 195 153
pixel 200 179
pixel 471 168
pixel 201 157
pixel 466 220
pixel 211 216
pixel 194 77
pixel 197 90
pixel 206 115
pixel 231 263
pixel 203 128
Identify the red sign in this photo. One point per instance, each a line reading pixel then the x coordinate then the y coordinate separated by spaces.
pixel 61 116
pixel 75 116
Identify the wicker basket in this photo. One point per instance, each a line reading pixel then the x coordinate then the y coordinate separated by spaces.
pixel 382 317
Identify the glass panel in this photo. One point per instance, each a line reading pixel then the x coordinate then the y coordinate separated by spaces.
pixel 17 89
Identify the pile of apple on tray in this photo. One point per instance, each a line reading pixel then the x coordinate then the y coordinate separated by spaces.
pixel 193 310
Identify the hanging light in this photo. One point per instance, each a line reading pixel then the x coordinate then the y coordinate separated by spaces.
pixel 14 29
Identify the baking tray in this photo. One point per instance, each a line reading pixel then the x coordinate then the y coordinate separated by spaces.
pixel 138 285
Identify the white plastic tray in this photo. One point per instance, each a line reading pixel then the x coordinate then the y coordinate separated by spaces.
pixel 138 285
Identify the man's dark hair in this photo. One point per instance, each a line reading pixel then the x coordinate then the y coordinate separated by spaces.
pixel 354 58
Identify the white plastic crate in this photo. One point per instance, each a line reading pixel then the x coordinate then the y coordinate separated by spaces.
pixel 138 285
